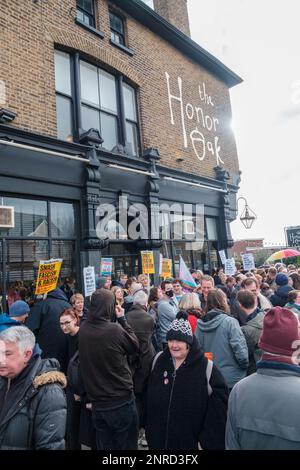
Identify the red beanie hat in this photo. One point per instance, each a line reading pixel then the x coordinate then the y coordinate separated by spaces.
pixel 280 330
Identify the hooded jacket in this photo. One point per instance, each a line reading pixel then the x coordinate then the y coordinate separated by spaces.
pixel 103 350
pixel 264 412
pixel 6 322
pixel 43 321
pixel 252 330
pixel 280 296
pixel 295 308
pixel 33 408
pixel 221 335
pixel 179 411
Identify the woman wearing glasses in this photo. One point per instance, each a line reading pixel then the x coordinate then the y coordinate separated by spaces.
pixel 79 425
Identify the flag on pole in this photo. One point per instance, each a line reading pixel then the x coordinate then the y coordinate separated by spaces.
pixel 185 275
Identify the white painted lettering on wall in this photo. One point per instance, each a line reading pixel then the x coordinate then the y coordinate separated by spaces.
pixel 189 112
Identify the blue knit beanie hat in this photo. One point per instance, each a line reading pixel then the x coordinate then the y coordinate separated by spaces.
pixel 281 279
pixel 18 309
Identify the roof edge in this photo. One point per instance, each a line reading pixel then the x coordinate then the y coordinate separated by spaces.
pixel 157 24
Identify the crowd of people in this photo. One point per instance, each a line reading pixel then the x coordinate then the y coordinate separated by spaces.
pixel 164 367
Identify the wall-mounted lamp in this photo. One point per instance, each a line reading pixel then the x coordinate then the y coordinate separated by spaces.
pixel 6 115
pixel 248 216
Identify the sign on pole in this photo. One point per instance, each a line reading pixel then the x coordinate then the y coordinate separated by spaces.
pixel 147 262
pixel 248 261
pixel 89 281
pixel 166 270
pixel 230 268
pixel 106 266
pixel 48 274
pixel 222 256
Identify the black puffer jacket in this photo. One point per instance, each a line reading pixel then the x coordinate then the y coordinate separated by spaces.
pixel 33 408
pixel 280 296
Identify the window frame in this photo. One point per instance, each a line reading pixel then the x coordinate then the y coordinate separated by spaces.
pixel 64 95
pixel 77 103
pixel 91 16
pixel 114 31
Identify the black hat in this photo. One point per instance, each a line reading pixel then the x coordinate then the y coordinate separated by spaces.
pixel 180 328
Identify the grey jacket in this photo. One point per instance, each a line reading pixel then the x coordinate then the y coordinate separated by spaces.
pixel 223 337
pixel 264 412
pixel 166 314
pixel 252 330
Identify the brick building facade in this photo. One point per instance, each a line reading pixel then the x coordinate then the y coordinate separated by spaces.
pixel 158 100
pixel 241 247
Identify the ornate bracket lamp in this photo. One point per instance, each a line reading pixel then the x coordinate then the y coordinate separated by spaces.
pixel 248 216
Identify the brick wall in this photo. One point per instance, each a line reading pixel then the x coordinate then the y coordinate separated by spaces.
pixel 174 11
pixel 30 32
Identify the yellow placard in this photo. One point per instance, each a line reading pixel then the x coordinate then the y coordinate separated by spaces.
pixel 166 268
pixel 47 276
pixel 147 262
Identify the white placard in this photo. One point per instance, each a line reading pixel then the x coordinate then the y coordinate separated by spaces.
pixel 230 268
pixel 89 280
pixel 222 256
pixel 248 261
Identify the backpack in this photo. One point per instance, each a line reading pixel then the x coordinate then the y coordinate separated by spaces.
pixel 75 384
pixel 209 368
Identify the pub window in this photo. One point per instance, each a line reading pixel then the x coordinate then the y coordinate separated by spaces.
pixel 85 12
pixel 211 228
pixel 116 28
pixel 43 230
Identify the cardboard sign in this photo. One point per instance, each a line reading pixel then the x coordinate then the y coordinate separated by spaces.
pixel 89 281
pixel 106 266
pixel 147 262
pixel 166 269
pixel 248 261
pixel 230 268
pixel 47 276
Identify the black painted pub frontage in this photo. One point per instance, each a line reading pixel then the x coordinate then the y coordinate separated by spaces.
pixel 56 189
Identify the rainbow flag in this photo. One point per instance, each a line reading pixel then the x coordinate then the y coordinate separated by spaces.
pixel 185 275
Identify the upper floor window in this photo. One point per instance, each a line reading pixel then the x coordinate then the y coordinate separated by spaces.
pixel 85 12
pixel 117 28
pixel 64 102
pixel 107 103
pixel 99 103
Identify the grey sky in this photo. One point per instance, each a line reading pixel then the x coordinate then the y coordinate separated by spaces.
pixel 260 41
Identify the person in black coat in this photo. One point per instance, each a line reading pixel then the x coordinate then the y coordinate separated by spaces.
pixel 280 296
pixel 181 415
pixel 32 401
pixel 43 321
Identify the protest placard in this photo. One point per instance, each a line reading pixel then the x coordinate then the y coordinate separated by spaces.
pixel 147 262
pixel 89 280
pixel 248 261
pixel 230 268
pixel 166 270
pixel 48 274
pixel 106 266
